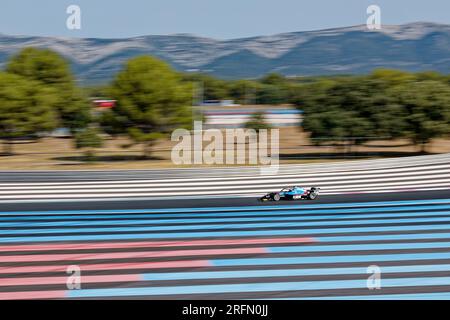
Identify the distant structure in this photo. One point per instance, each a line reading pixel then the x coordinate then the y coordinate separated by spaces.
pixel 103 104
pixel 219 103
pixel 226 117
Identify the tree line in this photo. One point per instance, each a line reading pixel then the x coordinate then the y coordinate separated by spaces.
pixel 387 104
pixel 38 93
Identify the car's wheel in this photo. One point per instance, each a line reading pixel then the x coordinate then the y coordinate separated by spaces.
pixel 276 197
pixel 312 196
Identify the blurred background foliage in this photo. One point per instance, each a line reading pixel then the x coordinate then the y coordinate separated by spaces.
pixel 38 93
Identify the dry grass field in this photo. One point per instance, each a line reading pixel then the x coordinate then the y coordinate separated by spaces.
pixel 295 147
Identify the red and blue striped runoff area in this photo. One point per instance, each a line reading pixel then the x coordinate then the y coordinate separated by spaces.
pixel 305 251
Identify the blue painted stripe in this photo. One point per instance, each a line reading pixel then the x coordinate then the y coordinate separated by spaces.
pixel 375 295
pixel 234 233
pixel 227 226
pixel 256 287
pixel 245 208
pixel 357 247
pixel 287 272
pixel 234 214
pixel 115 221
pixel 330 259
pixel 404 296
pixel 415 236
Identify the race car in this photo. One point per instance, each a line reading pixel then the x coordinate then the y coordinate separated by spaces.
pixel 292 193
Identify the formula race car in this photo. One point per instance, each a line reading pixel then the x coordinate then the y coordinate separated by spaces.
pixel 292 193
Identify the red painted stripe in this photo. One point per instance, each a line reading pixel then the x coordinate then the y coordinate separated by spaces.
pixel 32 295
pixel 109 266
pixel 128 255
pixel 145 244
pixel 62 280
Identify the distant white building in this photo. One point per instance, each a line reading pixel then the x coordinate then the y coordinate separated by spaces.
pixel 219 103
pixel 237 117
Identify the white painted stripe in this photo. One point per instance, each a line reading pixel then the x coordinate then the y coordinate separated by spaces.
pixel 435 175
pixel 210 182
pixel 206 187
pixel 369 173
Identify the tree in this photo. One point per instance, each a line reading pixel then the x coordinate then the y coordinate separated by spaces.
pixel 257 122
pixel 112 123
pixel 151 101
pixel 26 108
pixel 244 91
pixel 337 125
pixel 51 70
pixel 387 104
pixel 274 89
pixel 274 79
pixel 88 139
pixel 355 108
pixel 336 111
pixel 427 108
pixel 212 88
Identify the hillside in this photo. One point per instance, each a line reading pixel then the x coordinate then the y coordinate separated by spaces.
pixel 350 50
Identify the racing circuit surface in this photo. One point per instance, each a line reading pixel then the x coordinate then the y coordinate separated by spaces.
pixel 231 247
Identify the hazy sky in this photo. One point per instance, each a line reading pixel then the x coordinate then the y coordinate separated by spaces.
pixel 222 19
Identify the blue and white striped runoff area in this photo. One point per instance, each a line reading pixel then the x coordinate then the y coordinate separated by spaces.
pixel 272 252
pixel 365 176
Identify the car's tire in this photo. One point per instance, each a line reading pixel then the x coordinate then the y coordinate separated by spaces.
pixel 313 196
pixel 276 197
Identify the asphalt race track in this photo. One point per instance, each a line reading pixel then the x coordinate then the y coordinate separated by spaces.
pixel 219 202
pixel 230 248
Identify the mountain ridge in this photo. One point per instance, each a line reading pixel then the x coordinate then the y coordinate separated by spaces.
pixel 416 46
